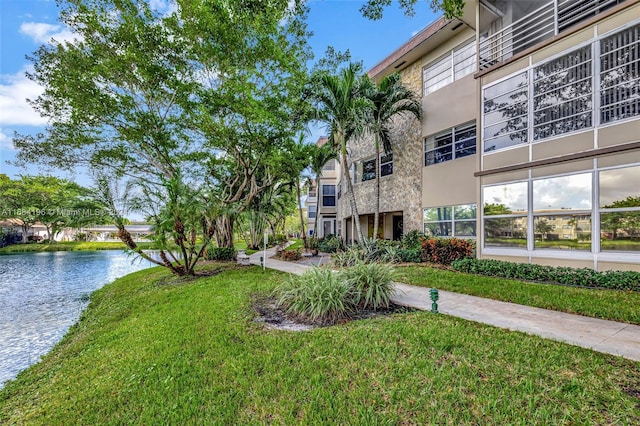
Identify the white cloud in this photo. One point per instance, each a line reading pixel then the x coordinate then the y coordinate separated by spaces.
pixel 41 32
pixel 15 89
pixel 5 142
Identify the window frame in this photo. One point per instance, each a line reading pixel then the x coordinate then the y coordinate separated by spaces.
pixel 454 151
pixel 452 221
pixel 326 196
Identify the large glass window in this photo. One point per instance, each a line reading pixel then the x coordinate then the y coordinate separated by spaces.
pixel 453 143
pixel 451 221
pixel 562 100
pixel 562 212
pixel 620 209
pixel 620 75
pixel 505 113
pixel 505 215
pixel 452 66
pixel 368 170
pixel 329 195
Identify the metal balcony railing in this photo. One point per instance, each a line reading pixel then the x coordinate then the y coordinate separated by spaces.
pixel 550 19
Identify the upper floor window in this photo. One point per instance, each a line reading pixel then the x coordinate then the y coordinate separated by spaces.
pixel 454 65
pixel 311 212
pixel 369 167
pixel 386 164
pixel 563 93
pixel 620 75
pixel 329 195
pixel 453 143
pixel 330 165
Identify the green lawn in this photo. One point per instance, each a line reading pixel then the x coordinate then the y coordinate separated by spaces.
pixel 613 305
pixel 151 351
pixel 70 246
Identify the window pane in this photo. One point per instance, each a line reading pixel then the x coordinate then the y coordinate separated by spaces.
pixel 464 60
pixel 465 229
pixel 465 211
pixel 562 232
pixel 620 75
pixel 438 156
pixel 386 169
pixel 437 75
pixel 563 94
pixel 440 229
pixel 328 190
pixel 505 109
pixel 562 193
pixel 506 232
pixel 620 231
pixel 620 188
pixel 368 170
pixel 437 214
pixel 505 199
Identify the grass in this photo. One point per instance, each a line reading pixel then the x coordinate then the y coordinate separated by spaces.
pixel 70 246
pixel 297 244
pixel 612 305
pixel 150 350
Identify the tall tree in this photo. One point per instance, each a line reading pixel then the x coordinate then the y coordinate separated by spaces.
pixel 203 93
pixel 390 98
pixel 344 108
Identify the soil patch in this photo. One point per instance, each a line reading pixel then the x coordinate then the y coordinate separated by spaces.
pixel 277 318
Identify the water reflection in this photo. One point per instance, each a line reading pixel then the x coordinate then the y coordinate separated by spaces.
pixel 43 294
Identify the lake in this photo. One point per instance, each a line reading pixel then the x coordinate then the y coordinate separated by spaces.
pixel 43 294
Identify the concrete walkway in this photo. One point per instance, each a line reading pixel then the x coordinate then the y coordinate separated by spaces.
pixel 600 335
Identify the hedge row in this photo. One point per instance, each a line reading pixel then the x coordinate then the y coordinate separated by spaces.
pixel 617 280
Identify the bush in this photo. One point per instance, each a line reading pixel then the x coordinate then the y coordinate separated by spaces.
pixel 371 283
pixel 9 238
pixel 409 255
pixel 618 280
pixel 324 296
pixel 290 255
pixel 446 250
pixel 347 258
pixel 330 244
pixel 412 240
pixel 318 295
pixel 220 253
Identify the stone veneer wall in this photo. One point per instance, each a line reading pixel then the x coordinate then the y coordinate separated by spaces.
pixel 400 191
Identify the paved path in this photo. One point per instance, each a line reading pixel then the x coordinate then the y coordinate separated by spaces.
pixel 600 335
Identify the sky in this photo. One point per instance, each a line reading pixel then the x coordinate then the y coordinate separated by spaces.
pixel 27 24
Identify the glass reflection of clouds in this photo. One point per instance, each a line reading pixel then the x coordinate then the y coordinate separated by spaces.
pixel 563 193
pixel 512 196
pixel 619 184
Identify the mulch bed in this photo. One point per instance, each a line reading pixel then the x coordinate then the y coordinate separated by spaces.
pixel 277 318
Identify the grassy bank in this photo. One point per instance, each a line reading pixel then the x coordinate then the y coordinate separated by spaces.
pixel 613 305
pixel 70 246
pixel 149 351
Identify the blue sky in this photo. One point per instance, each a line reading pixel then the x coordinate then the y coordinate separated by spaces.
pixel 26 24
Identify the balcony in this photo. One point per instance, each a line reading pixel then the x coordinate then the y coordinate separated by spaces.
pixel 510 27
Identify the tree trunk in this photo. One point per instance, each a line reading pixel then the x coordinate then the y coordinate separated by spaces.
pixel 224 231
pixel 304 233
pixel 355 217
pixel 25 231
pixel 376 217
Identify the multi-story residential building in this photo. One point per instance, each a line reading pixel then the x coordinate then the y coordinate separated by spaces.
pixel 532 111
pixel 322 199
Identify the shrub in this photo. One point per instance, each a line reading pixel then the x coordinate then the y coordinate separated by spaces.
pixel 318 295
pixel 409 255
pixel 330 244
pixel 371 283
pixel 290 255
pixel 446 250
pixel 9 238
pixel 412 240
pixel 618 280
pixel 220 253
pixel 347 258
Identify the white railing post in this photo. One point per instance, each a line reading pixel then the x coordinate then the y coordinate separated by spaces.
pixel 555 17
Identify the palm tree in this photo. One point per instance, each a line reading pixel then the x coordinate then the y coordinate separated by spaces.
pixel 389 98
pixel 341 104
pixel 319 157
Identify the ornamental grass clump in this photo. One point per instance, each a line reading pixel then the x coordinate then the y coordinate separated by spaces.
pixel 326 297
pixel 372 284
pixel 319 295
